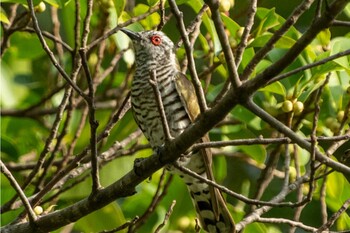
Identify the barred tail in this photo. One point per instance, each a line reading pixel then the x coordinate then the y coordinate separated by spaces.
pixel 210 206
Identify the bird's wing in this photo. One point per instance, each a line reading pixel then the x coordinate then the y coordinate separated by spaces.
pixel 189 99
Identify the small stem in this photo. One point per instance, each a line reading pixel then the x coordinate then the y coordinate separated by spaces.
pixel 157 94
pixel 21 194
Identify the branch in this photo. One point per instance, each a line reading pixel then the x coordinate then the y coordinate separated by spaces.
pixel 189 52
pixel 50 53
pixel 166 217
pixel 287 221
pixel 226 48
pixel 21 194
pixel 334 217
pixel 299 10
pixel 317 25
pixel 295 137
pixel 158 97
pixel 245 36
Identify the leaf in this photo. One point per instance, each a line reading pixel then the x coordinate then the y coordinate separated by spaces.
pixel 276 88
pixel 196 5
pixel 150 21
pixel 109 217
pixel 247 117
pixel 58 3
pixel 8 149
pixel 31 41
pixel 284 42
pixel 338 45
pixel 324 37
pixel 269 21
pixel 231 25
pixel 23 2
pixel 119 6
pixel 152 3
pixel 3 16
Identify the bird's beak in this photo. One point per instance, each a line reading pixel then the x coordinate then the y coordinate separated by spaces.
pixel 132 35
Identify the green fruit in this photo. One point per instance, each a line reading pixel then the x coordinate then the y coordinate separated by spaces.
pixel 287 106
pixel 38 210
pixel 340 115
pixel 298 107
pixel 41 7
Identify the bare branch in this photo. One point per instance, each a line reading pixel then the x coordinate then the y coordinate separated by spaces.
pixel 189 52
pixel 21 194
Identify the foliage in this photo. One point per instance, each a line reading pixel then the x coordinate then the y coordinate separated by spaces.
pixel 45 118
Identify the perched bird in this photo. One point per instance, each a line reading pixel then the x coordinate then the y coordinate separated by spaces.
pixel 154 51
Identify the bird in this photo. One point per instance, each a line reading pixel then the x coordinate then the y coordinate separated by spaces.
pixel 155 52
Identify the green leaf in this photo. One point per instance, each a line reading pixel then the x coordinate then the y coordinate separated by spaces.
pixel 3 16
pixel 152 3
pixel 338 45
pixel 109 217
pixel 276 88
pixel 23 2
pixel 257 152
pixel 247 117
pixel 284 42
pixel 196 5
pixel 150 21
pixel 8 149
pixel 20 42
pixel 270 20
pixel 324 37
pixel 119 6
pixel 231 25
pixel 58 3
pixel 220 168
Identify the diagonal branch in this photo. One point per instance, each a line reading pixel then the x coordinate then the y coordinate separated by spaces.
pixel 317 25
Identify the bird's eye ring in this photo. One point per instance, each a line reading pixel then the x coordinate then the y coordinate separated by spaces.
pixel 156 40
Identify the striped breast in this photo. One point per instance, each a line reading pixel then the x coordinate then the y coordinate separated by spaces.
pixel 145 107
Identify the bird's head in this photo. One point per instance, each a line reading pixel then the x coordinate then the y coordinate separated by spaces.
pixel 152 46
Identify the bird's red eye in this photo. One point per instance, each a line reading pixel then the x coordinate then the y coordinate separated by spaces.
pixel 156 40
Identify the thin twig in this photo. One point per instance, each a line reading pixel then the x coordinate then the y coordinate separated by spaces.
pixel 122 227
pixel 334 217
pixel 166 217
pixel 154 83
pixel 317 25
pixel 287 221
pixel 50 53
pixel 226 48
pixel 309 66
pixel 114 30
pixel 160 193
pixel 292 135
pixel 245 36
pixel 234 194
pixel 162 15
pixel 298 11
pixel 21 194
pixel 189 53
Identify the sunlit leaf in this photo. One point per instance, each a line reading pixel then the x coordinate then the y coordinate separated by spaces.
pixel 232 26
pixel 283 42
pixel 23 2
pixel 3 16
pixel 275 87
pixel 58 3
pixel 152 2
pixel 324 37
pixel 119 6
